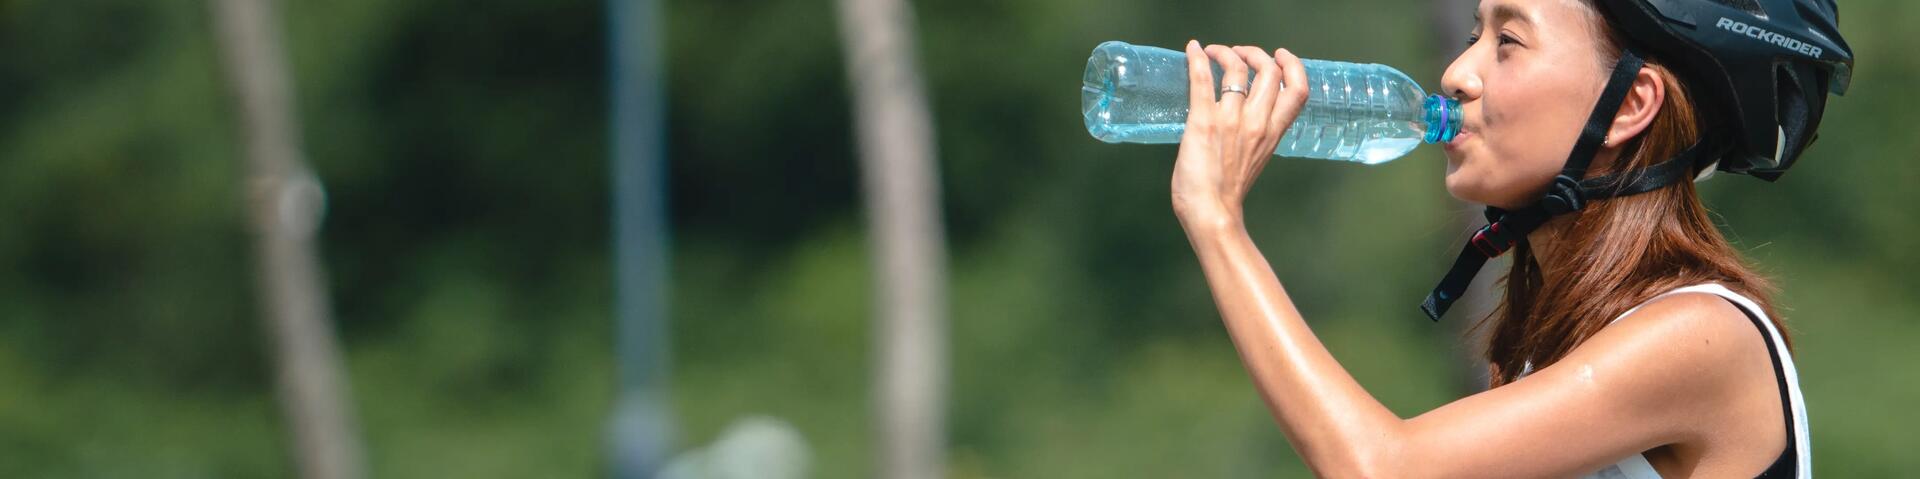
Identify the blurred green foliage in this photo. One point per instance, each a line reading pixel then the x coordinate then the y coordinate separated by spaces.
pixel 463 145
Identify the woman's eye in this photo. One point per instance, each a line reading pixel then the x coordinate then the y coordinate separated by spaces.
pixel 1507 40
pixel 1472 39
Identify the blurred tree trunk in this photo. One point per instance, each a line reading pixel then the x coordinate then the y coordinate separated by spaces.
pixel 895 134
pixel 642 428
pixel 285 204
pixel 1452 21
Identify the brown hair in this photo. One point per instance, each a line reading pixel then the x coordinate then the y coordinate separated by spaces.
pixel 1618 252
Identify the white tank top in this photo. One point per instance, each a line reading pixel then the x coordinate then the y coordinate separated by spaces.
pixel 1637 467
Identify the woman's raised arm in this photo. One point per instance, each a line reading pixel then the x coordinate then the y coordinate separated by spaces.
pixel 1611 397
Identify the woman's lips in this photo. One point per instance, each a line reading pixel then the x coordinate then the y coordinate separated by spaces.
pixel 1458 139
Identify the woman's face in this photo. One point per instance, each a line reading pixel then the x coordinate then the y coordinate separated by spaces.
pixel 1526 84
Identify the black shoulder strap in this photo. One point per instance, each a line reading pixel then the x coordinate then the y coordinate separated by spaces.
pixel 1785 466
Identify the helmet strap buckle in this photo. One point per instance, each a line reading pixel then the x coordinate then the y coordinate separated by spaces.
pixel 1564 195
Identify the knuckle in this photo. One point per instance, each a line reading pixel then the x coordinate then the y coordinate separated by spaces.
pixel 1254 134
pixel 1298 95
pixel 1230 123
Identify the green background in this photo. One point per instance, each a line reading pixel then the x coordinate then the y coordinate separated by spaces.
pixel 464 147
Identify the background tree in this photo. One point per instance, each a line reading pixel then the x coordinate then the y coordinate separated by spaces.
pixel 464 148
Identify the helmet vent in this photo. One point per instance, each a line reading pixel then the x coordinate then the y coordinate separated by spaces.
pixel 1749 6
pixel 1797 118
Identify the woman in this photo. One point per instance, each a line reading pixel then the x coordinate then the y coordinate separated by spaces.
pixel 1632 341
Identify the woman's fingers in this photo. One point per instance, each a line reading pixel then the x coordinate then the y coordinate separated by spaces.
pixel 1293 93
pixel 1200 101
pixel 1266 83
pixel 1231 131
pixel 1233 78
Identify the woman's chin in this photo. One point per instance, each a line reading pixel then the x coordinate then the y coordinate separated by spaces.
pixel 1459 186
pixel 1466 187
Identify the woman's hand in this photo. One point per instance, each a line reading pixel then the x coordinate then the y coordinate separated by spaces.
pixel 1228 141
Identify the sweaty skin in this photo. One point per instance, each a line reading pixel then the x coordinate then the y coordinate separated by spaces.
pixel 1686 379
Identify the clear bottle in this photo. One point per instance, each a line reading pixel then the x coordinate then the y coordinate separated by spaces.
pixel 1366 113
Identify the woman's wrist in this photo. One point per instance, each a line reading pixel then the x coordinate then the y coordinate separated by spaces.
pixel 1208 218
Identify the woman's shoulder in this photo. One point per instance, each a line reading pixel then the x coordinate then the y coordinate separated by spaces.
pixel 1698 352
pixel 1693 325
pixel 1695 343
pixel 1703 308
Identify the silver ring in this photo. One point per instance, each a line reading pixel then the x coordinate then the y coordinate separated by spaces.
pixel 1232 89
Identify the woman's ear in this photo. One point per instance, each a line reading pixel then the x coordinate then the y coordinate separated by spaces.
pixel 1642 103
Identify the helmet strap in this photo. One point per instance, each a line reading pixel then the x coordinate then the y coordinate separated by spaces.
pixel 1568 193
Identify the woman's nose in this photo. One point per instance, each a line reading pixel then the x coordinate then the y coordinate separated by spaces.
pixel 1461 80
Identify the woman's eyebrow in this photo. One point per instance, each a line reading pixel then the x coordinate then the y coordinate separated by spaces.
pixel 1502 12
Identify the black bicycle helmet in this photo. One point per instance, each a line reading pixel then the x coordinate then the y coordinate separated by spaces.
pixel 1761 70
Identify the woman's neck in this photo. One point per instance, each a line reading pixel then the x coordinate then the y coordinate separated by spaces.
pixel 1546 240
pixel 1547 245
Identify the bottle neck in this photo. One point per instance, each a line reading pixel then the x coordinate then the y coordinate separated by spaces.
pixel 1441 118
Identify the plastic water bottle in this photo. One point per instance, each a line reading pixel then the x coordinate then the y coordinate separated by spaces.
pixel 1366 113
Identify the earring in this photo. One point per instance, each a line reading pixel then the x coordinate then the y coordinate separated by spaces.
pixel 1606 140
